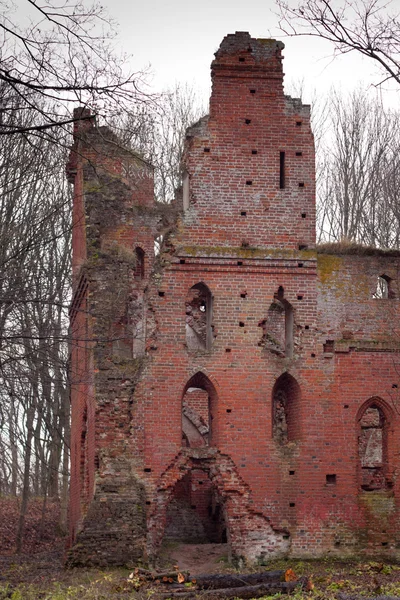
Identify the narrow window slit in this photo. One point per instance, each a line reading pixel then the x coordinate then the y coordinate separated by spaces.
pixel 282 170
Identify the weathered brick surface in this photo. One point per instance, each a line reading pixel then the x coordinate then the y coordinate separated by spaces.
pixel 239 356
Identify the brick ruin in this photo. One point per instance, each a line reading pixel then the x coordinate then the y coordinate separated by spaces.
pixel 230 382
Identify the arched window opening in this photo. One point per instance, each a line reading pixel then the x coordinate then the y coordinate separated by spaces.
pixel 138 271
pixel 383 288
pixel 372 448
pixel 198 406
pixel 286 409
pixel 277 327
pixel 195 514
pixel 199 318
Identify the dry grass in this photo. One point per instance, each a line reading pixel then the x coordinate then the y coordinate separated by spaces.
pixel 355 249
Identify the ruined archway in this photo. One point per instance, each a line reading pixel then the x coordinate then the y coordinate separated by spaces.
pixel 249 533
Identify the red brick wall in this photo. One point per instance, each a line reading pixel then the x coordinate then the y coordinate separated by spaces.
pixel 299 492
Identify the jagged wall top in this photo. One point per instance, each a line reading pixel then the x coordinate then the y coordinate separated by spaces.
pixel 252 52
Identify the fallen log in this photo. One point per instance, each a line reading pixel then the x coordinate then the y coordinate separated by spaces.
pixel 206 582
pixel 247 591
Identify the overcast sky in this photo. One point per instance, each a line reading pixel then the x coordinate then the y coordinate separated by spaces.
pixel 178 39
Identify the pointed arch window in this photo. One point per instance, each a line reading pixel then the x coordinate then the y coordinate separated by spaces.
pixel 277 327
pixel 199 318
pixel 372 447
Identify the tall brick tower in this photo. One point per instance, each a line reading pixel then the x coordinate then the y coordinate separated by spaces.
pixel 207 399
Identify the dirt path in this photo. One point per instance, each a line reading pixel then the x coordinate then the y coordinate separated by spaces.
pixel 200 558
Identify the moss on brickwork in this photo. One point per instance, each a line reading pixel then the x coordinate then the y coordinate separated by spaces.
pixel 328 267
pixel 248 252
pixel 379 505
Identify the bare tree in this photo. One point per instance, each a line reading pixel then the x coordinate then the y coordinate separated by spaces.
pixel 358 162
pixel 64 58
pixel 370 27
pixel 157 131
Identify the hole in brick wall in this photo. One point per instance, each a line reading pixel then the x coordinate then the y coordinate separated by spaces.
pixel 254 151
pixel 384 543
pixel 96 461
pixel 292 504
pixel 286 536
pixel 303 215
pixel 291 472
pixel 337 544
pixel 148 502
pixel 300 264
pixel 249 182
pixel 299 154
pixel 247 121
pixel 193 506
pixel 243 213
pixel 147 470
pixel 252 91
pixel 345 406
pixel 329 346
pixel 306 327
pixel 161 294
pixel 241 324
pixel 240 263
pixel 243 295
pixel 282 170
pixel 242 59
pixel 303 246
pixel 228 410
pixel 395 386
pixel 331 479
pixel 312 355
pixel 228 350
pixel 182 261
pixel 298 123
pixel 206 149
pixel 301 184
pixel 299 297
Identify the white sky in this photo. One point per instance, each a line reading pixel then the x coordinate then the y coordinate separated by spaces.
pixel 179 37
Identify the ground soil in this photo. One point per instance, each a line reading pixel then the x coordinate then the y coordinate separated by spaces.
pixel 38 573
